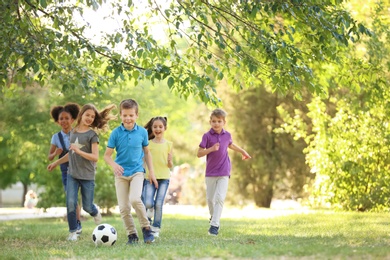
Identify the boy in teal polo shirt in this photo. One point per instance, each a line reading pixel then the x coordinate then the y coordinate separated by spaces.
pixel 131 144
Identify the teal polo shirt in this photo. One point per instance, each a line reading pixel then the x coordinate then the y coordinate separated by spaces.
pixel 129 146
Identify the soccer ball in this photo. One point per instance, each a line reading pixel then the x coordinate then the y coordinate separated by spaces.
pixel 104 234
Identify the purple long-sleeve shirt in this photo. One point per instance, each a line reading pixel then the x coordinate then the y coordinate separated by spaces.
pixel 217 162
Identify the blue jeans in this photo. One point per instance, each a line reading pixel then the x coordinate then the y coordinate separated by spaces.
pixel 64 174
pixel 154 198
pixel 87 193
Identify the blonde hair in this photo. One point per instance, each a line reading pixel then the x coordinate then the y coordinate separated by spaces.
pixel 219 113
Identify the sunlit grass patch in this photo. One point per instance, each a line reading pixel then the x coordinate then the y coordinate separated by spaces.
pixel 318 235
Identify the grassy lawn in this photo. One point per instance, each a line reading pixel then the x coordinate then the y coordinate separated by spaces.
pixel 316 235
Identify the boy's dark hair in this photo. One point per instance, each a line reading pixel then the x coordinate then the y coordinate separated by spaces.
pixel 128 104
pixel 219 113
pixel 72 108
pixel 149 125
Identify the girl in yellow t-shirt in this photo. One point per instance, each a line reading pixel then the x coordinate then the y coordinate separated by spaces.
pixel 161 151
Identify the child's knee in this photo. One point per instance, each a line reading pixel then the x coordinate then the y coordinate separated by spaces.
pixel 135 202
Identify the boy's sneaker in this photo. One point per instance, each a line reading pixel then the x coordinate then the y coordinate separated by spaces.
pixel 155 231
pixel 213 230
pixel 73 236
pixel 150 213
pixel 79 228
pixel 98 218
pixel 148 235
pixel 133 239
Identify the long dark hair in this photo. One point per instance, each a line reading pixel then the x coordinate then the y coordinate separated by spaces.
pixel 149 125
pixel 101 118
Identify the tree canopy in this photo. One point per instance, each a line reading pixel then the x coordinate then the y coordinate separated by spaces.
pixel 348 135
pixel 206 42
pixel 272 51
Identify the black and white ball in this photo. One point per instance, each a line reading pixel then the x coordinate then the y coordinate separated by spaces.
pixel 104 234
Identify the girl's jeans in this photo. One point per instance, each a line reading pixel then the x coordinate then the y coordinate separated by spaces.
pixel 154 198
pixel 87 193
pixel 216 189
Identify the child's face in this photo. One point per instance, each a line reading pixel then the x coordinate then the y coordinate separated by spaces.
pixel 88 117
pixel 217 123
pixel 158 128
pixel 128 117
pixel 65 120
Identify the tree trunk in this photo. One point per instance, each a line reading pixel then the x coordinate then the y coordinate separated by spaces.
pixel 25 187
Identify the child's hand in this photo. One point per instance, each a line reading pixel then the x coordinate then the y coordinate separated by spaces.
pixel 170 160
pixel 153 180
pixel 215 147
pixel 75 148
pixel 245 156
pixel 118 170
pixel 51 166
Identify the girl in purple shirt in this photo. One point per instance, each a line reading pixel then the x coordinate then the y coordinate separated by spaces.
pixel 214 144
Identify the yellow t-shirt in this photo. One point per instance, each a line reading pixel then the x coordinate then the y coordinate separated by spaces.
pixel 159 153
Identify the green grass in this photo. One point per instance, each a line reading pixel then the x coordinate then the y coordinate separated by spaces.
pixel 318 235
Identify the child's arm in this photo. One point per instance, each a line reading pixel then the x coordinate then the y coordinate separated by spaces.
pixel 170 161
pixel 54 152
pixel 236 148
pixel 170 158
pixel 62 160
pixel 93 156
pixel 148 160
pixel 118 170
pixel 202 152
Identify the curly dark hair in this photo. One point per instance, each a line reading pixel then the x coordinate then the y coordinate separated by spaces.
pixel 72 108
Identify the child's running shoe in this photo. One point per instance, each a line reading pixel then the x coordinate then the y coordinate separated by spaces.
pixel 213 230
pixel 148 235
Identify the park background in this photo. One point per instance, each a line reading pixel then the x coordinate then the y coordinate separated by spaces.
pixel 308 99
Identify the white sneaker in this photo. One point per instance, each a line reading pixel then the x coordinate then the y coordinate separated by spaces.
pixel 98 218
pixel 73 236
pixel 150 213
pixel 155 231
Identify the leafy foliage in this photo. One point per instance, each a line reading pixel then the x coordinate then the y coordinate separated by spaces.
pixel 21 123
pixel 277 169
pixel 348 143
pixel 276 41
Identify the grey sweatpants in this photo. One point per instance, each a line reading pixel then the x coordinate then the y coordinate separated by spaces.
pixel 216 189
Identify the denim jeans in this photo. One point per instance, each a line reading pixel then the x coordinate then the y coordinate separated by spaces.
pixel 64 174
pixel 87 188
pixel 154 198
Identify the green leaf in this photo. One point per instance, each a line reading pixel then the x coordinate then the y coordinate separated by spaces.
pixel 43 3
pixel 170 82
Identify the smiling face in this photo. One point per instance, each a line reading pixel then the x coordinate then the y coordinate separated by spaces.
pixel 129 117
pixel 158 128
pixel 217 123
pixel 65 120
pixel 88 117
